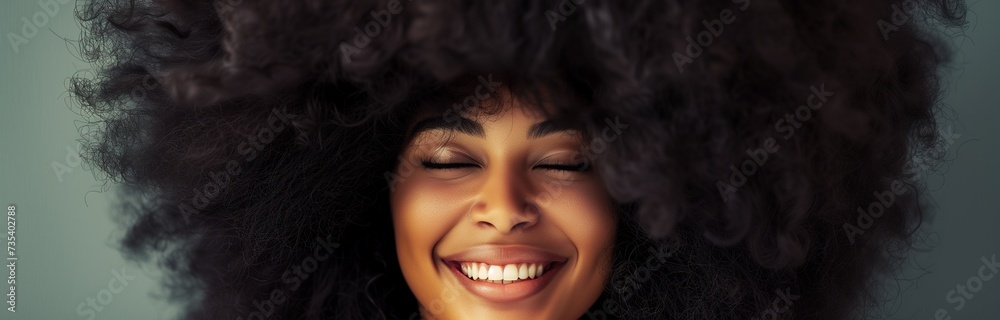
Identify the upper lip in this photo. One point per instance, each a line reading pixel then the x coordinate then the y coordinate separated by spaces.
pixel 505 254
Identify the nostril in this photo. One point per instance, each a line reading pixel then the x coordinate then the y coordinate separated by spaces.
pixel 504 217
pixel 522 224
pixel 486 224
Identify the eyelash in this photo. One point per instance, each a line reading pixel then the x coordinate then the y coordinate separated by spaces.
pixel 582 167
pixel 446 165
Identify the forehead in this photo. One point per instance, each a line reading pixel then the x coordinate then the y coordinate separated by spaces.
pixel 516 118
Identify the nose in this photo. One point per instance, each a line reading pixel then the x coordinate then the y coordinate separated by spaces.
pixel 504 202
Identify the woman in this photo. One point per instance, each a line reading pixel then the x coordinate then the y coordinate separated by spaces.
pixel 536 159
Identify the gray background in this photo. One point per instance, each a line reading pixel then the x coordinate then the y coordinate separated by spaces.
pixel 65 236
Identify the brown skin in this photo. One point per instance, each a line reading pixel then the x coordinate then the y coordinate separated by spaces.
pixel 508 195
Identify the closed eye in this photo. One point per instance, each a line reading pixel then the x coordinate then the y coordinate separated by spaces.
pixel 447 165
pixel 580 167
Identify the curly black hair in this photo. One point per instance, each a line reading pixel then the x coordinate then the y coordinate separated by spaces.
pixel 767 170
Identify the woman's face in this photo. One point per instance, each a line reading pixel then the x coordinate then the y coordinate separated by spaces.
pixel 495 217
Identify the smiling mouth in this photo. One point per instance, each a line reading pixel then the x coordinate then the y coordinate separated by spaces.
pixel 502 274
pixel 505 273
pixel 498 288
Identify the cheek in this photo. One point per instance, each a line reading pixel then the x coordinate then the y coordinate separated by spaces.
pixel 413 215
pixel 584 214
pixel 422 215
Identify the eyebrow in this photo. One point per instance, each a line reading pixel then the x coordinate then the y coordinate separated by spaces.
pixel 545 128
pixel 467 126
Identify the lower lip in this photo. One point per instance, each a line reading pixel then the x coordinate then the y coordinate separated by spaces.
pixel 496 292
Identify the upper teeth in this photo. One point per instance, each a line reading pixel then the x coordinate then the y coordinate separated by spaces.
pixel 502 274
